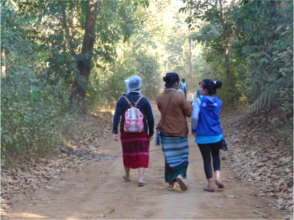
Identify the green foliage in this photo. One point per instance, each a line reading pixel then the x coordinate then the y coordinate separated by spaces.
pixel 147 67
pixel 261 56
pixel 212 25
pixel 31 108
pixel 110 81
pixel 265 34
pixel 59 27
pixel 30 112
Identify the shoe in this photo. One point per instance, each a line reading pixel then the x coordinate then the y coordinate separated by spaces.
pixel 180 180
pixel 127 179
pixel 219 184
pixel 208 189
pixel 140 184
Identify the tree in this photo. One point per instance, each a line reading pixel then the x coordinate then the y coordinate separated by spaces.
pixel 77 32
pixel 215 13
pixel 264 31
pixel 80 85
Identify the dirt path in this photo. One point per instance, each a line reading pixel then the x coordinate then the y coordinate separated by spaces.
pixel 98 191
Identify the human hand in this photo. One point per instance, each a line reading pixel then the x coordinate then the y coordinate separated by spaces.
pixel 194 134
pixel 190 98
pixel 115 137
pixel 198 92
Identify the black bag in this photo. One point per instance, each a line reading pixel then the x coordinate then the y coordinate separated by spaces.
pixel 224 145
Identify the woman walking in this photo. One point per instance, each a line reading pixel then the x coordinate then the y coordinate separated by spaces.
pixel 206 127
pixel 174 130
pixel 134 113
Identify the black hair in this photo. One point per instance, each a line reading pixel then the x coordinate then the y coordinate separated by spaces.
pixel 170 79
pixel 183 80
pixel 211 85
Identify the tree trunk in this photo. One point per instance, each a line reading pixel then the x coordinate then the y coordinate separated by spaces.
pixel 190 50
pixel 190 60
pixel 227 45
pixel 66 29
pixel 79 89
pixel 227 64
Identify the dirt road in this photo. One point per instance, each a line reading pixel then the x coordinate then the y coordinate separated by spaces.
pixel 98 191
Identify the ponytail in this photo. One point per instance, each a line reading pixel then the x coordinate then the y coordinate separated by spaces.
pixel 211 85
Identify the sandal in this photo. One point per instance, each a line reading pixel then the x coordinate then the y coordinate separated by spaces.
pixel 208 189
pixel 171 187
pixel 127 179
pixel 182 183
pixel 140 184
pixel 219 184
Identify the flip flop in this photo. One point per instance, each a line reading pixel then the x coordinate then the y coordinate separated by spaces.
pixel 182 183
pixel 140 184
pixel 207 189
pixel 219 184
pixel 171 188
pixel 127 179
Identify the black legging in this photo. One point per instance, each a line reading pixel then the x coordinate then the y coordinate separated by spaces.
pixel 206 151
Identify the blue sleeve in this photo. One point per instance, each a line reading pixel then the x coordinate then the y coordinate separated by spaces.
pixel 116 118
pixel 195 115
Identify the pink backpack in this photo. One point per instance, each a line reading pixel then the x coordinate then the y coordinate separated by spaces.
pixel 133 118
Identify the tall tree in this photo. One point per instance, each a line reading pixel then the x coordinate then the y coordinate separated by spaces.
pixel 77 32
pixel 79 88
pixel 217 13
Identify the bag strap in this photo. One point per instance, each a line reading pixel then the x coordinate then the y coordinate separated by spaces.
pixel 136 103
pixel 128 101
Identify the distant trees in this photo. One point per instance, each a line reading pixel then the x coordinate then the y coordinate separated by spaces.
pixel 249 41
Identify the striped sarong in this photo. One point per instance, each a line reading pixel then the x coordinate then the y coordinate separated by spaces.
pixel 176 152
pixel 135 147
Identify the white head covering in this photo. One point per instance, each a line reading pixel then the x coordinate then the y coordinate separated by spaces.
pixel 133 83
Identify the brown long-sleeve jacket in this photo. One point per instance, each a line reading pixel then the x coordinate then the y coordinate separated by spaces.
pixel 174 109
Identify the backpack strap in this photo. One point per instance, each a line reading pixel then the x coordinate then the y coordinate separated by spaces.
pixel 128 101
pixel 137 102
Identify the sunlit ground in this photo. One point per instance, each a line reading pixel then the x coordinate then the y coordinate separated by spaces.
pixel 23 215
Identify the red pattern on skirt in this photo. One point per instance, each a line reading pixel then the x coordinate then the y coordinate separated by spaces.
pixel 135 148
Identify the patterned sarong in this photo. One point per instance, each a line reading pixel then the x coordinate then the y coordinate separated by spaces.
pixel 135 148
pixel 176 152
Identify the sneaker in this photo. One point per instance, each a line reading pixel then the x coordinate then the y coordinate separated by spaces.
pixel 142 183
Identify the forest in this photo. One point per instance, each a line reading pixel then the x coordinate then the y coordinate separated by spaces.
pixel 63 57
pixel 63 60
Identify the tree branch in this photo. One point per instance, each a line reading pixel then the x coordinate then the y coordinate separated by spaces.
pixel 65 27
